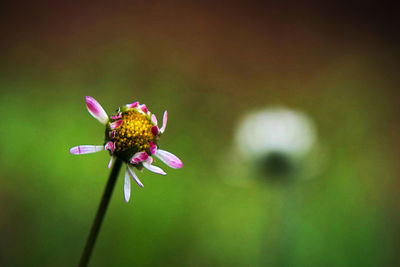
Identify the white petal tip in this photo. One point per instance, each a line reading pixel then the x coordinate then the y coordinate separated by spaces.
pixel 127 186
pixel 164 125
pixel 154 169
pixel 133 174
pixel 110 162
pixel 85 149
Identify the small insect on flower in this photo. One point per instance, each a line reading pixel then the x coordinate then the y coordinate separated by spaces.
pixel 132 136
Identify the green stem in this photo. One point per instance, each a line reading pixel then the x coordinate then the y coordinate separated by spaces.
pixel 100 213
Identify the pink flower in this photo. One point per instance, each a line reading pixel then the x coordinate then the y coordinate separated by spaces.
pixel 132 136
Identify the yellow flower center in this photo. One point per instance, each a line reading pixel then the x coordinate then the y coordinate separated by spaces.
pixel 134 134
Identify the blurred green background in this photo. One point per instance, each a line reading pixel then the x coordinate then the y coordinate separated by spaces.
pixel 208 64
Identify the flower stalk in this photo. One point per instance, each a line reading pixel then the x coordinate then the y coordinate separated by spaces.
pixel 100 213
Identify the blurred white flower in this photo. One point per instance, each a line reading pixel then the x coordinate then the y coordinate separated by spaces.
pixel 275 140
pixel 277 129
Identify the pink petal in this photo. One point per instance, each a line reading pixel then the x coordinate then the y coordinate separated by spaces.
pixel 154 119
pixel 153 148
pixel 111 162
pixel 127 186
pixel 133 105
pixel 144 108
pixel 133 174
pixel 116 124
pixel 96 110
pixel 139 157
pixel 85 149
pixel 164 123
pixel 168 158
pixel 110 146
pixel 117 117
pixel 154 130
pixel 154 169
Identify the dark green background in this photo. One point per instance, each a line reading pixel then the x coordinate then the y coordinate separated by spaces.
pixel 208 64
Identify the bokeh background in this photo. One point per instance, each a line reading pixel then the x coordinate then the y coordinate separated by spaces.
pixel 208 64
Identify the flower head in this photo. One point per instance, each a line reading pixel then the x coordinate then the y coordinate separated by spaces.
pixel 131 135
